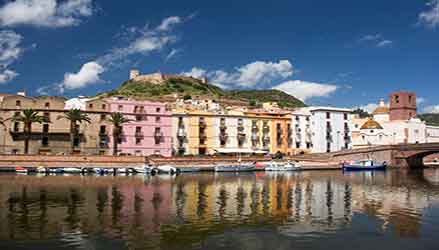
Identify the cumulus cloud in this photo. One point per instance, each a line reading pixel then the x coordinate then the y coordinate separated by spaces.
pixel 10 51
pixel 430 17
pixel 306 90
pixel 433 109
pixel 143 41
pixel 420 100
pixel 88 74
pixel 7 75
pixel 45 13
pixel 249 75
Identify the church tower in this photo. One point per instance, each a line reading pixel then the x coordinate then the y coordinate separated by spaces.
pixel 402 105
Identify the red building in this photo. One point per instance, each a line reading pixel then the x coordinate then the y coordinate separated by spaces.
pixel 402 105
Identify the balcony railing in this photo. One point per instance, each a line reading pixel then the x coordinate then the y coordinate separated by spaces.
pixel 223 136
pixel 255 137
pixel 266 138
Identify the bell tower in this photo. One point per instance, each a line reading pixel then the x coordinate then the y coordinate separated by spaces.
pixel 402 105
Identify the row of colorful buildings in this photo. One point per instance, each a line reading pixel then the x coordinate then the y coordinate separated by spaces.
pixel 204 127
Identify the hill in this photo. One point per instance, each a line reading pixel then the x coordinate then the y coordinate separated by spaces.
pixel 171 87
pixel 430 119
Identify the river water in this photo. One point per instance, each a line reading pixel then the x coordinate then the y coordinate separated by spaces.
pixel 309 210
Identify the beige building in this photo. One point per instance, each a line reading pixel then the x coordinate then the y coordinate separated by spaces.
pixel 53 135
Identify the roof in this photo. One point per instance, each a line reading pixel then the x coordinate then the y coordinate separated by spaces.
pixel 330 109
pixel 371 124
pixel 240 150
pixel 381 111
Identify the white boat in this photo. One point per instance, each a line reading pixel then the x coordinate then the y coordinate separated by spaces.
pixel 72 170
pixel 235 168
pixel 167 169
pixel 145 170
pixel 21 170
pixel 41 170
pixel 283 166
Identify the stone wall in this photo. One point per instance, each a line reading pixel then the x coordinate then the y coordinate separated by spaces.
pixel 69 161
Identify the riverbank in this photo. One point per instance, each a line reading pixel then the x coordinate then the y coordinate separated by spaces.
pixel 206 163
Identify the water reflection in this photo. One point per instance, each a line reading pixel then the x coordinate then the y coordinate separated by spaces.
pixel 192 210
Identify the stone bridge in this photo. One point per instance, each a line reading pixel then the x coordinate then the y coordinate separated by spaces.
pixel 401 155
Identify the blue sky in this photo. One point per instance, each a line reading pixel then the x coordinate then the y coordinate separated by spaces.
pixel 341 53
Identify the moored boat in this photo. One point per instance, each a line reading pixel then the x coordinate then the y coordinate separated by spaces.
pixel 41 169
pixel 364 165
pixel 189 169
pixel 279 166
pixel 235 168
pixel 21 170
pixel 145 170
pixel 167 169
pixel 70 170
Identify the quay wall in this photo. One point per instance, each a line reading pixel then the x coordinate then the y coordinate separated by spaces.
pixel 69 161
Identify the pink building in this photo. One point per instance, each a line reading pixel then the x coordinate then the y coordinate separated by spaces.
pixel 149 131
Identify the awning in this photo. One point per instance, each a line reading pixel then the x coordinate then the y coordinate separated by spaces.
pixel 239 151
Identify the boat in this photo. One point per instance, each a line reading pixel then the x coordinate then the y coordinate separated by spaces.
pixel 55 170
pixel 235 168
pixel 260 166
pixel 41 169
pixel 145 170
pixel 189 169
pixel 364 165
pixel 287 166
pixel 21 170
pixel 167 169
pixel 72 170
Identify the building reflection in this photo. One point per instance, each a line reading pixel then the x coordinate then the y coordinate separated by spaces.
pixel 145 210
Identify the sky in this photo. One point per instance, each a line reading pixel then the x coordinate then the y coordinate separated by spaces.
pixel 339 53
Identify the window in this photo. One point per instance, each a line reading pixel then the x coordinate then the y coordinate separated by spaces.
pixel 17 103
pixel 397 98
pixel 346 145
pixel 157 119
pixel 120 107
pixel 138 118
pixel 46 117
pixel 47 105
pixel 104 106
pixel 157 136
pixel 157 110
pixel 410 99
pixel 297 144
pixel 45 141
pixel 16 126
pixel 76 142
pixel 328 147
pixel 328 115
pixel 138 141
pixel 45 128
pixel 103 117
pixel 345 117
pixel 103 130
pixel 90 105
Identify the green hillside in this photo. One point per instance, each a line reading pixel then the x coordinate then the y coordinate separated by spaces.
pixel 430 119
pixel 187 87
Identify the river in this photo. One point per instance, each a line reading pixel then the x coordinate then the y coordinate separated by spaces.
pixel 308 210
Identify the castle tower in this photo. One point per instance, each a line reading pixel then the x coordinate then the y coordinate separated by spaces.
pixel 402 105
pixel 134 73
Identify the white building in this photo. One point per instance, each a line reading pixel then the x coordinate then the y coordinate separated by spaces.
pixel 322 129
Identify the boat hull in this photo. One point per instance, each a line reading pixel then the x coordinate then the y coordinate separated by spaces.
pixel 234 168
pixel 364 168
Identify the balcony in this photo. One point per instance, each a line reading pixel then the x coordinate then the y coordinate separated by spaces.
pixel 241 136
pixel 157 135
pixel 103 133
pixel 223 136
pixel 266 138
pixel 223 126
pixel 255 137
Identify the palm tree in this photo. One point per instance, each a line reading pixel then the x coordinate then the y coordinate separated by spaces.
pixel 117 119
pixel 75 116
pixel 27 117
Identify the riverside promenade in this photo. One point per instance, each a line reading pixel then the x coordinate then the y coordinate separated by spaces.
pixel 87 161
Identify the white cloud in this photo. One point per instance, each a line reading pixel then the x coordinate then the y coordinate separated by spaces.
pixel 430 17
pixel 172 54
pixel 167 23
pixel 420 100
pixel 88 74
pixel 10 51
pixel 195 73
pixel 143 41
pixel 7 75
pixel 377 39
pixel 369 108
pixel 45 13
pixel 434 109
pixel 250 75
pixel 384 43
pixel 306 90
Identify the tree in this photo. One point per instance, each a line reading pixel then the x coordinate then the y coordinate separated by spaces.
pixel 117 120
pixel 27 117
pixel 361 113
pixel 75 116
